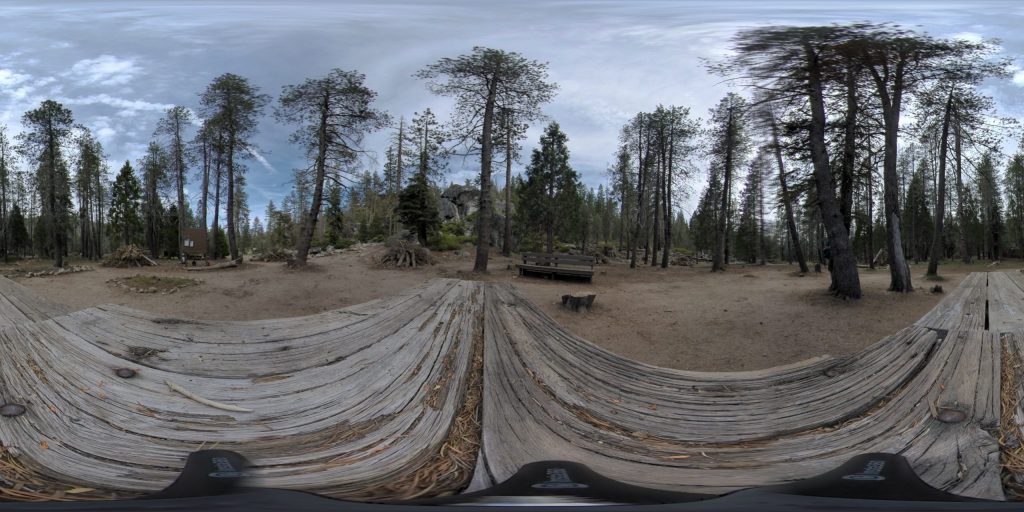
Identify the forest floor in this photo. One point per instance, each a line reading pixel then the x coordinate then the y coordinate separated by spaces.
pixel 749 317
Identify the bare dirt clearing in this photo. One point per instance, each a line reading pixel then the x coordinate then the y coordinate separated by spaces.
pixel 748 318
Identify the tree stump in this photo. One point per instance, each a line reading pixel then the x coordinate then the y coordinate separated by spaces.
pixel 575 301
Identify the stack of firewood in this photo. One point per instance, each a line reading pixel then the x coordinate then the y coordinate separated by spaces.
pixel 128 256
pixel 406 254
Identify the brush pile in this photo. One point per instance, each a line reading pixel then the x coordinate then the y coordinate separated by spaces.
pixel 70 269
pixel 128 256
pixel 274 255
pixel 401 254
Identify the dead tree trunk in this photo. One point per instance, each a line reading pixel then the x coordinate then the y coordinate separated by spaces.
pixel 940 202
pixel 845 280
pixel 718 261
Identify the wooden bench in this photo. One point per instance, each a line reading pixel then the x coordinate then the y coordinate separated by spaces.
pixel 558 265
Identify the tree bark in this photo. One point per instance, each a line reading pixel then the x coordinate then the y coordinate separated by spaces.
pixel 641 183
pixel 214 246
pixel 787 202
pixel 849 149
pixel 179 164
pixel 958 155
pixel 655 234
pixel 483 227
pixel 506 244
pixel 845 280
pixel 306 235
pixel 940 202
pixel 718 261
pixel 229 207
pixel 667 195
pixel 55 223
pixel 899 272
pixel 204 202
pixel 871 218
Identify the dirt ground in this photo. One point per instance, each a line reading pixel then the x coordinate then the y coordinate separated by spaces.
pixel 749 317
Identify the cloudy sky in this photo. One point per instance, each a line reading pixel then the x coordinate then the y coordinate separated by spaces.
pixel 119 64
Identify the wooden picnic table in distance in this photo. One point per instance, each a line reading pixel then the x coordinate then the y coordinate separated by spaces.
pixel 557 265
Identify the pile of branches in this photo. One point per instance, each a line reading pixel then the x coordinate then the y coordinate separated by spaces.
pixel 682 260
pixel 128 256
pixel 403 254
pixel 70 269
pixel 273 255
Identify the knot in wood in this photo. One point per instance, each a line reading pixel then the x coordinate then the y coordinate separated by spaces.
pixel 948 415
pixel 124 373
pixel 12 410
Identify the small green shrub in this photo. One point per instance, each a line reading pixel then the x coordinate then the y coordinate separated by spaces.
pixel 442 241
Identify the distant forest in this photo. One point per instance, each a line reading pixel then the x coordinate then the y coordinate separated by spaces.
pixel 845 145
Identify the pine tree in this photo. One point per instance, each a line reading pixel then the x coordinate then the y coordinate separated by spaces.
pixel 47 129
pixel 234 107
pixel 417 207
pixel 728 141
pixel 334 216
pixel 126 206
pixel 991 207
pixel 483 83
pixel 154 180
pixel 19 239
pixel 917 215
pixel 335 113
pixel 550 197
pixel 1014 182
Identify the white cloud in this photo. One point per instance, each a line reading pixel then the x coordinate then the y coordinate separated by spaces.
pixel 121 103
pixel 10 78
pixel 1018 78
pixel 970 37
pixel 104 70
pixel 262 160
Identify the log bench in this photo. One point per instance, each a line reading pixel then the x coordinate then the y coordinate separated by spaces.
pixel 557 265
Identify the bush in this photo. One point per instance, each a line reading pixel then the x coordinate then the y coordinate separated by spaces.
pixel 457 228
pixel 220 238
pixel 344 243
pixel 442 241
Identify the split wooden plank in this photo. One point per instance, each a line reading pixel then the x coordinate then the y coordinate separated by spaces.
pixel 345 428
pixel 528 418
pixel 20 305
pixel 684 407
pixel 962 308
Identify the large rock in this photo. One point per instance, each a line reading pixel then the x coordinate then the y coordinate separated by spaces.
pixel 458 201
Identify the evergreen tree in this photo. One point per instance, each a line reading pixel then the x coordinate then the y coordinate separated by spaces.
pixel 334 113
pixel 749 238
pixel 550 197
pixel 19 240
pixel 704 222
pixel 334 217
pixel 1014 182
pixel 126 206
pixel 154 180
pixel 728 144
pixel 47 129
pixel 991 207
pixel 483 83
pixel 417 207
pixel 234 107
pixel 916 213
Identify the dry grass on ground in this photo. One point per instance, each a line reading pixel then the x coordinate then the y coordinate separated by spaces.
pixel 749 317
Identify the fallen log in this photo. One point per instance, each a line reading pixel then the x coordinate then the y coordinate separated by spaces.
pixel 226 264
